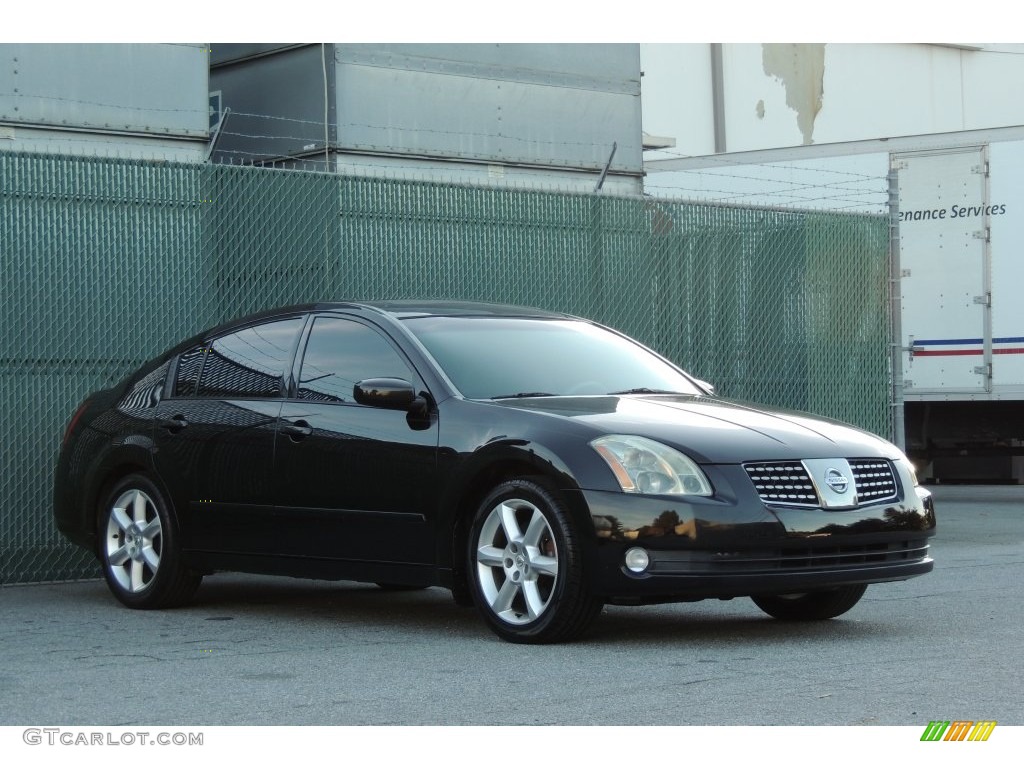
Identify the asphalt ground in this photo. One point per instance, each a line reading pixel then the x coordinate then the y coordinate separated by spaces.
pixel 274 651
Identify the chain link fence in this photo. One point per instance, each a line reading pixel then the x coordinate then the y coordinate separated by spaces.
pixel 105 263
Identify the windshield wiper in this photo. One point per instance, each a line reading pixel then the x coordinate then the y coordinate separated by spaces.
pixel 523 394
pixel 647 391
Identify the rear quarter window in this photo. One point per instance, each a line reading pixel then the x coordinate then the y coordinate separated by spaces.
pixel 186 380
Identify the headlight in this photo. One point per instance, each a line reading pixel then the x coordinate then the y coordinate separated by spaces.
pixel 909 466
pixel 646 466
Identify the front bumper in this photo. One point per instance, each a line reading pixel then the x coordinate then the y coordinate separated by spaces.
pixel 734 544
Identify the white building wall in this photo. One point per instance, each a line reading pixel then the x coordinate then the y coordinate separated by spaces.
pixel 783 95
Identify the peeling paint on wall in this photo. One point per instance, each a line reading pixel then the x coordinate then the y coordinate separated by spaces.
pixel 801 69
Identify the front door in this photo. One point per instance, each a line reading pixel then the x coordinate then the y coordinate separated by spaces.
pixel 354 482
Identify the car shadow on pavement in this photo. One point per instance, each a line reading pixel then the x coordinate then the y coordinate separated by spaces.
pixel 735 623
pixel 230 597
pixel 285 605
pixel 433 610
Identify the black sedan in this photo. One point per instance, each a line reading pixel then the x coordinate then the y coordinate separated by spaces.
pixel 536 464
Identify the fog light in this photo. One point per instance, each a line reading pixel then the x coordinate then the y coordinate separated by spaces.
pixel 637 559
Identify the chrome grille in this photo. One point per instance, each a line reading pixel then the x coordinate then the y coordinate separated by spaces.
pixel 782 482
pixel 788 482
pixel 874 479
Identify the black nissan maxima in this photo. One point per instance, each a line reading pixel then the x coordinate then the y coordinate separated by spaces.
pixel 538 465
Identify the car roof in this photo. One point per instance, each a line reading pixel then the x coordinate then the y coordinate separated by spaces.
pixel 403 309
pixel 409 308
pixel 399 309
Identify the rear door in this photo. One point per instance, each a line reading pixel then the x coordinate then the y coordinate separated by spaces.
pixel 1007 254
pixel 215 435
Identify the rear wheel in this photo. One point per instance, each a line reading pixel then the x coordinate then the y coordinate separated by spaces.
pixel 526 568
pixel 811 606
pixel 142 561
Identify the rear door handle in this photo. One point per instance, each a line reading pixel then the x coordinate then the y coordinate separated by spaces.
pixel 297 430
pixel 175 423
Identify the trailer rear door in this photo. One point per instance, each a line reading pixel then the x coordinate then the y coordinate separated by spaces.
pixel 944 272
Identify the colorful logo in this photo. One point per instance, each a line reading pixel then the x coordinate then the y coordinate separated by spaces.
pixel 958 730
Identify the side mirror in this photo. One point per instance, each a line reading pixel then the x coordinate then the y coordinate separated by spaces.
pixel 393 394
pixel 709 387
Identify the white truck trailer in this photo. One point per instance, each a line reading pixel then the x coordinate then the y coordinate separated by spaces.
pixel 961 319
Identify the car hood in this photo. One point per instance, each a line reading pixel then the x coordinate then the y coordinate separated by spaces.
pixel 712 430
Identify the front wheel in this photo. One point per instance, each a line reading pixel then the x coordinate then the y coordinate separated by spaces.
pixel 142 561
pixel 526 569
pixel 811 606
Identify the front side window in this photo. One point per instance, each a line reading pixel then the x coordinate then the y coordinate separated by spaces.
pixel 250 362
pixel 341 353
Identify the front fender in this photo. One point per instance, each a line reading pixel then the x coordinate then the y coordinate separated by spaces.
pixel 469 478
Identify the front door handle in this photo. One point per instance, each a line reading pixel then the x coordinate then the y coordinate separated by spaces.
pixel 297 430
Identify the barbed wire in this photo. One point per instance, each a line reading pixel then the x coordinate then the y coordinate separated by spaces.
pixel 819 182
pixel 410 172
pixel 602 146
pixel 726 161
pixel 808 183
pixel 782 182
pixel 825 197
pixel 832 196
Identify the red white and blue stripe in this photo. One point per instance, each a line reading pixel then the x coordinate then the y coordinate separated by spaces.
pixel 1006 345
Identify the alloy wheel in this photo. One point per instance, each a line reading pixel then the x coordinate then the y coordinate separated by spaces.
pixel 517 561
pixel 134 540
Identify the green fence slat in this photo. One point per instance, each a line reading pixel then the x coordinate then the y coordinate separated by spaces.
pixel 104 263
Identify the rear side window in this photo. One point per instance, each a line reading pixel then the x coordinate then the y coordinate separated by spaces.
pixel 247 363
pixel 340 353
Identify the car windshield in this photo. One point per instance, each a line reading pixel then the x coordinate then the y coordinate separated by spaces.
pixel 499 357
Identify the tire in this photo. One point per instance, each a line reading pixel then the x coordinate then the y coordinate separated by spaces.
pixel 526 569
pixel 139 548
pixel 811 606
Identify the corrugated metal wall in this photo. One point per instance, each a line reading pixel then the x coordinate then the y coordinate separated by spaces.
pixel 104 263
pixel 549 113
